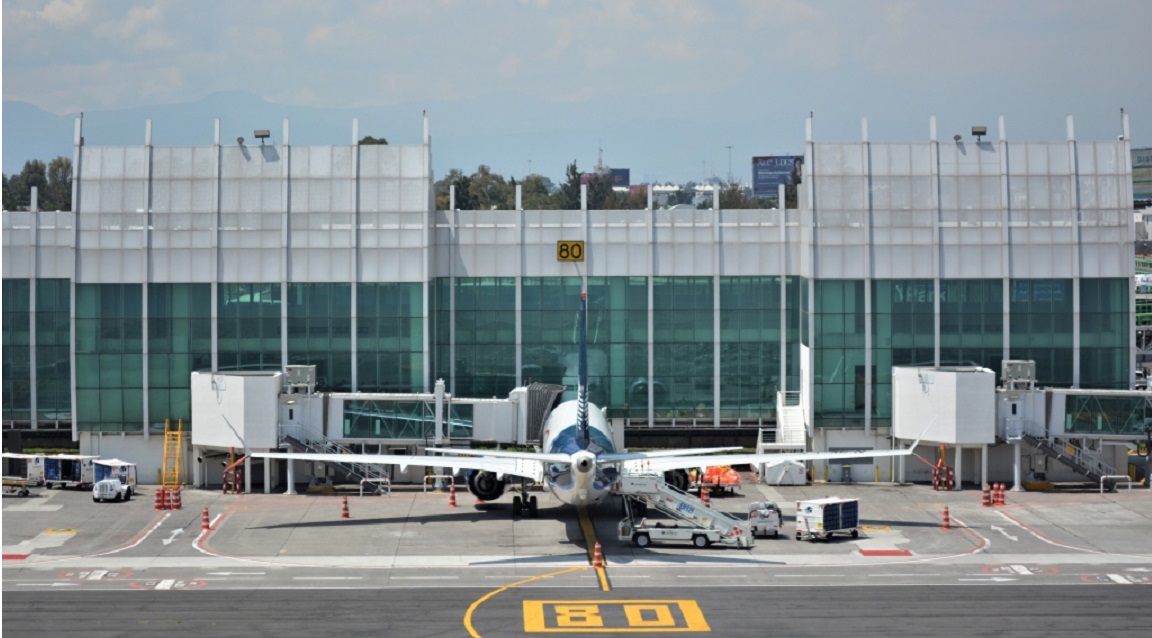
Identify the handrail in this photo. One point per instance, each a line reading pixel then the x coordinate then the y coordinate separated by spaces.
pixel 1116 476
pixel 384 482
pixel 447 478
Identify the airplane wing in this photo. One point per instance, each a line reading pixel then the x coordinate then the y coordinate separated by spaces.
pixel 543 457
pixel 664 464
pixel 618 457
pixel 522 465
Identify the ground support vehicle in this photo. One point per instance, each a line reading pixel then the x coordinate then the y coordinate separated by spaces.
pixel 718 479
pixel 823 517
pixel 29 467
pixel 115 480
pixel 69 470
pixel 15 486
pixel 702 525
pixel 764 518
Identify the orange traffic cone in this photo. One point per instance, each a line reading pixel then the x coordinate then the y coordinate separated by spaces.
pixel 704 498
pixel 452 494
pixel 987 500
pixel 165 503
pixel 597 556
pixel 947 521
pixel 344 508
pixel 205 525
pixel 156 503
pixel 176 502
pixel 998 494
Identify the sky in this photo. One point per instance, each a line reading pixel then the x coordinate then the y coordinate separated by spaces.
pixel 674 90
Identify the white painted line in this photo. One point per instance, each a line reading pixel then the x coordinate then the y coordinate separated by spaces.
pixel 97 574
pixel 724 576
pixel 436 577
pixel 1117 578
pixel 1022 570
pixel 167 583
pixel 327 578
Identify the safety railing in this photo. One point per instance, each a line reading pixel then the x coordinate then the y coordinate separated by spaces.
pixel 1115 476
pixel 447 478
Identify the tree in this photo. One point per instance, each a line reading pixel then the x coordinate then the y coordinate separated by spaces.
pixel 369 140
pixel 537 193
pixel 462 182
pixel 600 193
pixel 569 196
pixel 58 194
pixel 489 191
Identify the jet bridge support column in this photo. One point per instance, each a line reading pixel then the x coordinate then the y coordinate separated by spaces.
pixel 291 476
pixel 1016 486
pixel 984 464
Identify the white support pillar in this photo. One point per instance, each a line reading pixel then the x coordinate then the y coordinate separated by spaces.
pixel 1016 469
pixel 959 468
pixel 983 465
pixel 247 474
pixel 267 476
pixel 291 476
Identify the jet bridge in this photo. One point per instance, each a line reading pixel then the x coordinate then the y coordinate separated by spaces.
pixel 704 524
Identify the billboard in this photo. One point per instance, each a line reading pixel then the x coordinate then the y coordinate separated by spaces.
pixel 770 171
pixel 1142 174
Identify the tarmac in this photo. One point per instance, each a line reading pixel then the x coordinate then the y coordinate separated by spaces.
pixel 415 538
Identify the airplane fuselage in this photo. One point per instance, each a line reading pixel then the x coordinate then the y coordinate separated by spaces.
pixel 581 481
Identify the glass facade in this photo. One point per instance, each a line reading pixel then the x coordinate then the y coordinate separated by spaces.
pixel 682 346
pixel 53 340
pixel 1104 333
pixel 109 357
pixel 320 332
pixel 1105 415
pixel 179 342
pixel 1041 328
pixel 17 342
pixel 390 337
pixel 485 364
pixel 751 343
pixel 248 327
pixel 838 353
pixel 411 420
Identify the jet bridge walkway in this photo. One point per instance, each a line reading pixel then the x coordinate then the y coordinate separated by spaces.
pixel 702 521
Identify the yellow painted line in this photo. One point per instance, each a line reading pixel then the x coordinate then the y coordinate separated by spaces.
pixel 590 538
pixel 879 528
pixel 476 605
pixel 613 616
pixel 61 531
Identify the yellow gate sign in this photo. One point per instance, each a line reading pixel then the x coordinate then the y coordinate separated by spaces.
pixel 569 251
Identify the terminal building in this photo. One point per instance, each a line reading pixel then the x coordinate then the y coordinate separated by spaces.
pixel 773 329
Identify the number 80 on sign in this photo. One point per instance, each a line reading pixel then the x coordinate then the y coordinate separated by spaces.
pixel 569 251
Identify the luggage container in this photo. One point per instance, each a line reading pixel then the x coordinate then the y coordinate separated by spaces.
pixel 14 486
pixel 823 517
pixel 28 467
pixel 69 470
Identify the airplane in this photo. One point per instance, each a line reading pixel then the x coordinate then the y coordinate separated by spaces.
pixel 579 464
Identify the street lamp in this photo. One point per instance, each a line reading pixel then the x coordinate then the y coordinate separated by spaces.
pixel 729 163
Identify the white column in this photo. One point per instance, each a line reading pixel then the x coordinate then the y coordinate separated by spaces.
pixel 959 467
pixel 291 476
pixel 267 476
pixel 983 465
pixel 247 474
pixel 1016 486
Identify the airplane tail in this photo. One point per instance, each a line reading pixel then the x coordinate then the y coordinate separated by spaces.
pixel 582 391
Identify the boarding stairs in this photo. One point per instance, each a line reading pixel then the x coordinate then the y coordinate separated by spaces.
pixel 304 439
pixel 789 433
pixel 651 491
pixel 1081 460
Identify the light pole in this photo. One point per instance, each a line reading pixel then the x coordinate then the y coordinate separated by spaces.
pixel 729 163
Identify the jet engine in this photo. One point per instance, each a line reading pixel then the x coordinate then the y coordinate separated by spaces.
pixel 485 486
pixel 677 479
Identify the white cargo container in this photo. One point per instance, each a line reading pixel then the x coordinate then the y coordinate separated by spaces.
pixel 823 517
pixel 28 467
pixel 69 470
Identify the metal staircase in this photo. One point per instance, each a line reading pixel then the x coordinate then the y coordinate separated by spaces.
pixel 790 433
pixel 1074 456
pixel 652 491
pixel 173 445
pixel 304 439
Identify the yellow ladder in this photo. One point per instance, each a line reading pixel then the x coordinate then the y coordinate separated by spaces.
pixel 173 444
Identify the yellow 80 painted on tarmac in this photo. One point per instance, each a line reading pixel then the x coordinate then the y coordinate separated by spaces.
pixel 613 616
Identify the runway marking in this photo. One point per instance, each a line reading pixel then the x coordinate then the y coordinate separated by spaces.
pixel 1045 538
pixel 590 540
pixel 614 616
pixel 479 601
pixel 885 552
pixel 140 539
pixel 327 578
